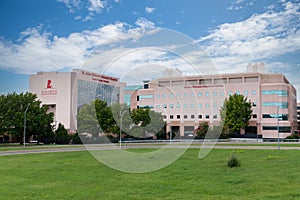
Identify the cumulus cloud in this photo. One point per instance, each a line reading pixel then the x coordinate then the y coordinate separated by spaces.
pixel 259 37
pixel 41 51
pixel 93 7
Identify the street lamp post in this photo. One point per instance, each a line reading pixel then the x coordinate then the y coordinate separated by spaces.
pixel 24 137
pixel 121 122
pixel 278 144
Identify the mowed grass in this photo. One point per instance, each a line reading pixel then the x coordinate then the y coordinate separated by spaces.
pixel 264 174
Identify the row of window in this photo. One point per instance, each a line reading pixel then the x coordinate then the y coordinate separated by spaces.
pixel 190 117
pixel 208 81
pixel 199 105
pixel 208 94
pixel 199 94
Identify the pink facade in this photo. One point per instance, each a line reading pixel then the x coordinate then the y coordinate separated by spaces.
pixel 186 101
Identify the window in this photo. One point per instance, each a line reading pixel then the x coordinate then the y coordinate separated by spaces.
pixel 229 93
pixel 171 106
pixel 192 105
pixel 214 93
pixel 207 94
pixel 171 95
pixel 164 116
pixel 178 95
pixel 192 116
pixel 238 92
pixel 171 116
pixel 254 116
pixel 222 94
pixel 199 94
pixel 178 116
pixel 253 92
pixel 283 117
pixel 280 93
pixel 192 82
pixel 158 106
pixel 177 83
pixel 178 105
pixel 245 92
pixel 207 105
pixel 215 116
pixel 235 80
pixel 220 80
pixel 206 116
pixel 199 116
pixel 214 105
pixel 164 96
pixel 283 105
pixel 158 96
pixel 185 105
pixel 251 79
pixel 199 105
pixel 146 96
pixel 165 106
pixel 185 94
pixel 185 116
pixel 192 94
pixel 163 83
pixel 282 129
pixel 253 104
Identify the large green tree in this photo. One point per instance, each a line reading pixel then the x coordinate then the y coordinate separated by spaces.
pixel 98 117
pixel 12 116
pixel 236 113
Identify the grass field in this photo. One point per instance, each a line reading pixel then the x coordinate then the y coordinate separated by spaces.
pixel 264 174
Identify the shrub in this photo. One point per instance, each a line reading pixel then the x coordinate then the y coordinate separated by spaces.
pixel 233 161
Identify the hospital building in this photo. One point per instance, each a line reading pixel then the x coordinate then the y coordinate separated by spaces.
pixel 184 101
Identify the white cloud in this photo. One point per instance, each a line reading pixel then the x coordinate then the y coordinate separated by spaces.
pixel 72 5
pixel 93 7
pixel 96 6
pixel 257 38
pixel 41 51
pixel 149 10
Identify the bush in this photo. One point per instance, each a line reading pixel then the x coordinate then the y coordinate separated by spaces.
pixel 293 136
pixel 233 161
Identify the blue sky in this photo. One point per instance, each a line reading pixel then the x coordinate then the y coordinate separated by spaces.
pixel 58 35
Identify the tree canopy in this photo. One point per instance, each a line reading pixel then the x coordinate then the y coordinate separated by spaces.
pixel 236 113
pixel 12 116
pixel 98 117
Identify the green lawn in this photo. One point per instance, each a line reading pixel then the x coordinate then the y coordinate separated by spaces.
pixel 264 174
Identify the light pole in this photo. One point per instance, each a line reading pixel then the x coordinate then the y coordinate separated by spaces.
pixel 278 144
pixel 170 132
pixel 121 122
pixel 24 137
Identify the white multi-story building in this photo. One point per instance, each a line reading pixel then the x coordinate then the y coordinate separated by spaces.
pixel 66 92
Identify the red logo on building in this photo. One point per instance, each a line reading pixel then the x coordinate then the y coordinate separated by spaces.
pixel 49 90
pixel 49 84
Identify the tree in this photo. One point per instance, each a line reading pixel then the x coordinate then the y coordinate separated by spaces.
pixel 146 122
pixel 87 119
pixel 236 113
pixel 61 135
pixel 12 116
pixel 202 130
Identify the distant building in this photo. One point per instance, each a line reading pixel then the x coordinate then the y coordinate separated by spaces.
pixel 187 100
pixel 66 92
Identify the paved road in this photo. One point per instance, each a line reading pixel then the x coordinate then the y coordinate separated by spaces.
pixel 132 146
